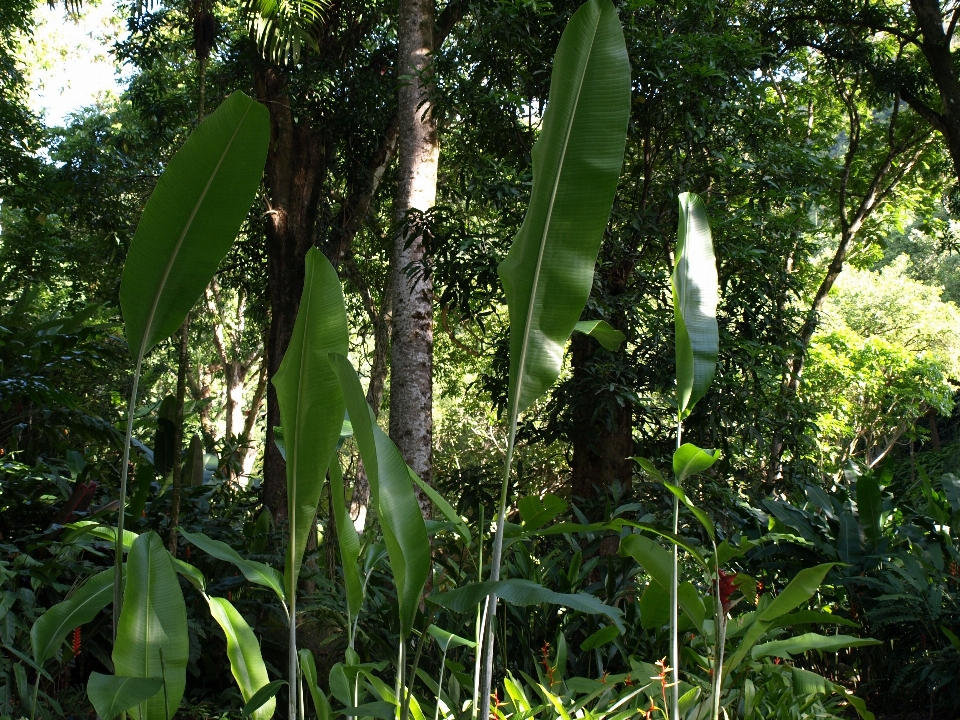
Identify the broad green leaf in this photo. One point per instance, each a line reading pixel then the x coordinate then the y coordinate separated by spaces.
pixel 691 604
pixel 261 697
pixel 689 460
pixel 321 705
pixel 190 573
pixel 391 488
pixel 617 525
pixel 444 507
pixel 656 562
pixel 523 593
pixel 951 488
pixel 536 512
pixel 850 537
pixel 856 703
pixel 255 572
pixel 870 506
pixel 806 683
pixel 154 618
pixel 111 695
pixel 811 617
pixel 650 469
pixel 952 637
pixel 52 628
pixel 349 543
pixel 191 219
pixel 243 649
pixel 601 637
pixel 806 642
pixel 697 512
pixel 101 532
pixel 797 591
pixel 695 292
pixel 602 332
pixel 447 640
pixel 311 404
pixel 548 272
pixel 654 606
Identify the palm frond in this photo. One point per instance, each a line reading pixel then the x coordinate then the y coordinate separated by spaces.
pixel 284 28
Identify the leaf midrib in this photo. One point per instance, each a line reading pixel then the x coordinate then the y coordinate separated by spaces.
pixel 176 250
pixel 543 237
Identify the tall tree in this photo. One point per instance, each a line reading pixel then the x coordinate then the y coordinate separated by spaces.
pixel 411 365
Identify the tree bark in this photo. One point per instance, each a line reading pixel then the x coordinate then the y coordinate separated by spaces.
pixel 411 367
pixel 602 447
pixel 293 176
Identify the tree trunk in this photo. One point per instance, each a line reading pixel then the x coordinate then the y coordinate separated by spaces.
pixel 601 446
pixel 293 175
pixel 411 367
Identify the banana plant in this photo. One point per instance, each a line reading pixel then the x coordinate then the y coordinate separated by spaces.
pixel 548 272
pixel 187 227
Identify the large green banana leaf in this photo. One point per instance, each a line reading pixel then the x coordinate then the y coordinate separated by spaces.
pixel 548 273
pixel 349 543
pixel 311 404
pixel 111 695
pixel 191 219
pixel 695 291
pixel 246 661
pixel 49 632
pixel 154 619
pixel 391 486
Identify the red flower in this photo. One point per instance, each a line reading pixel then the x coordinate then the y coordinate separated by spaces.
pixel 76 642
pixel 728 586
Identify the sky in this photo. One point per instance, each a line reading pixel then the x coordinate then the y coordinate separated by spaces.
pixel 68 62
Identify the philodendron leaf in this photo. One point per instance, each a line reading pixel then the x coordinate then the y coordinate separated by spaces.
pixel 191 219
pixel 154 619
pixel 689 460
pixel 602 332
pixel 111 695
pixel 695 293
pixel 243 649
pixel 52 628
pixel 310 400
pixel 391 488
pixel 548 273
pixel 523 593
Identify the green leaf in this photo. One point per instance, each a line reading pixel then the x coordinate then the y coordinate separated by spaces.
pixel 111 695
pixel 951 488
pixel 536 512
pixel 190 573
pixel 154 619
pixel 697 512
pixel 52 628
pixel 689 460
pixel 191 219
pixel 243 649
pixel 650 469
pixel 391 488
pixel 857 703
pixel 101 532
pixel 349 543
pixel 448 640
pixel 255 572
pixel 951 636
pixel 654 606
pixel 548 272
pixel 657 562
pixel 811 617
pixel 602 332
pixel 806 642
pixel 809 683
pixel 797 591
pixel 311 404
pixel 695 293
pixel 601 637
pixel 870 506
pixel 849 539
pixel 321 704
pixel 523 593
pixel 444 507
pixel 261 697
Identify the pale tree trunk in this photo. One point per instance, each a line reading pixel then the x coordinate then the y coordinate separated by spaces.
pixel 411 366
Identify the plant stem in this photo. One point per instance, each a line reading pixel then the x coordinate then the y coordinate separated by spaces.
pixel 184 359
pixel 481 622
pixel 292 654
pixel 443 664
pixel 491 611
pixel 121 510
pixel 674 633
